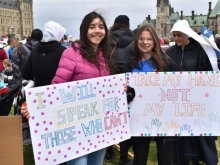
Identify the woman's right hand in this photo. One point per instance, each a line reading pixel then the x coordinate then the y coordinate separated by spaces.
pixel 24 112
pixel 130 94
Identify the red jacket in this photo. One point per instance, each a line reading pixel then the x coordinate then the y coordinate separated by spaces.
pixel 3 56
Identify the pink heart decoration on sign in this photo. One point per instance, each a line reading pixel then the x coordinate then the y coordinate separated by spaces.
pixel 140 96
pixel 206 95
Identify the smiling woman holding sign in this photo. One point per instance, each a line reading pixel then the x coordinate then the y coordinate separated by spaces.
pixel 148 57
pixel 87 58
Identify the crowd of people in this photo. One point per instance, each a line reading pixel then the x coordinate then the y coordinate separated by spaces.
pixel 102 51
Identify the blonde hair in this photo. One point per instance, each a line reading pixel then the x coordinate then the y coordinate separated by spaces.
pixel 7 63
pixel 16 49
pixel 14 42
pixel 166 40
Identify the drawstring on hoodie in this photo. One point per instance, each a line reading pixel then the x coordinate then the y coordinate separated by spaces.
pixel 181 62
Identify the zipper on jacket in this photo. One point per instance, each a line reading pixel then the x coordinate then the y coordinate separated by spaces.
pixel 181 62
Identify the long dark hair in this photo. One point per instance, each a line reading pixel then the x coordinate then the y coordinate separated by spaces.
pixel 87 50
pixel 157 52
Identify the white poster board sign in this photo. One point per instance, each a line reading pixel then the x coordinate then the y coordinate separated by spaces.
pixel 175 104
pixel 73 119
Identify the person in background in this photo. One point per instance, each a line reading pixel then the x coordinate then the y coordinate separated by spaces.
pixel 163 45
pixel 8 74
pixel 149 57
pixel 121 36
pixel 13 44
pixel 161 41
pixel 166 40
pixel 64 41
pixel 190 56
pixel 24 51
pixel 46 55
pixel 6 46
pixel 217 41
pixel 16 49
pixel 3 56
pixel 9 41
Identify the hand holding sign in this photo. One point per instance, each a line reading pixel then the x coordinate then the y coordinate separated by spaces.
pixel 171 127
pixel 154 126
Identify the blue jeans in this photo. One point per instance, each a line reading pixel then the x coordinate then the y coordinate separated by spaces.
pixel 94 158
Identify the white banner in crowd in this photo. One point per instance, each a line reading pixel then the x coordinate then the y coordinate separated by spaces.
pixel 175 104
pixel 73 119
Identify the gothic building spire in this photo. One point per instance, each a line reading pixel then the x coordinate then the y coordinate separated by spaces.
pixel 166 2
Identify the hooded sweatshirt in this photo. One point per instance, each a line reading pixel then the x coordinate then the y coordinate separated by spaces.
pixel 43 62
pixel 122 38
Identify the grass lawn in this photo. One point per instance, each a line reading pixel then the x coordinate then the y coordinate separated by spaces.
pixel 152 158
pixel 29 158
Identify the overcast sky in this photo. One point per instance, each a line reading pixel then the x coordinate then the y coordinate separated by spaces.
pixel 69 13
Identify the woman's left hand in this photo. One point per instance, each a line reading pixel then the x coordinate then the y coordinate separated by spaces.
pixel 126 86
pixel 24 112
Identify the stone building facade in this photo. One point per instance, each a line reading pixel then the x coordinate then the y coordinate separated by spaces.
pixel 16 17
pixel 166 18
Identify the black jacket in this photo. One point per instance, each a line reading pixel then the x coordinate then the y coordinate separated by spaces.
pixel 192 57
pixel 121 53
pixel 8 76
pixel 43 62
pixel 21 56
pixel 121 39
